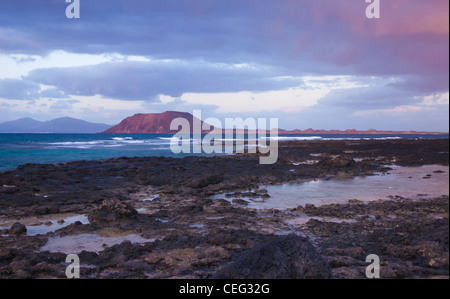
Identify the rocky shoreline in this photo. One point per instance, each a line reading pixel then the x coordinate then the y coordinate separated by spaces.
pixel 162 211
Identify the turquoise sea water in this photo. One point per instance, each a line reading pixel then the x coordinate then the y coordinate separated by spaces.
pixel 19 149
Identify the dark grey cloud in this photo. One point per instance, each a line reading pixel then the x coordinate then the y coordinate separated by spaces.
pixel 308 36
pixel 369 98
pixel 22 89
pixel 16 89
pixel 424 84
pixel 131 80
pixel 182 28
pixel 281 37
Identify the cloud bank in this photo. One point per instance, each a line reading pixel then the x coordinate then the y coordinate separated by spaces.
pixel 305 61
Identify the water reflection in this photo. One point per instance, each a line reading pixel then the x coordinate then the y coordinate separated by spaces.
pixel 93 242
pixel 407 182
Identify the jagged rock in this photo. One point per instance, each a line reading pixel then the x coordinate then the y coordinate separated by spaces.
pixel 338 162
pixel 112 210
pixel 239 201
pixel 282 257
pixel 17 229
pixel 200 183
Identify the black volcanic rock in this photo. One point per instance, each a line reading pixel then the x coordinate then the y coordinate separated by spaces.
pixel 110 211
pixel 17 229
pixel 185 233
pixel 338 162
pixel 282 257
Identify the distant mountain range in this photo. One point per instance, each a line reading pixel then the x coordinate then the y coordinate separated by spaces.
pixel 151 123
pixel 159 123
pixel 355 132
pixel 59 125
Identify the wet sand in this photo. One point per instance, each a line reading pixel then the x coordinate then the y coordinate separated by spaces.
pixel 165 218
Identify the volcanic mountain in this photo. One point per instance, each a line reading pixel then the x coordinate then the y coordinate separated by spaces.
pixel 151 123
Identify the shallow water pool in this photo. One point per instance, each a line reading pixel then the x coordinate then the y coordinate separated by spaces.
pixel 47 225
pixel 92 242
pixel 409 182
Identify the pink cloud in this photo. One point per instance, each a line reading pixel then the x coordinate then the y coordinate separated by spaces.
pixel 411 17
pixel 398 17
pixel 411 37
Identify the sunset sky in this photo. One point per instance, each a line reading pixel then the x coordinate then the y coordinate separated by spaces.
pixel 318 64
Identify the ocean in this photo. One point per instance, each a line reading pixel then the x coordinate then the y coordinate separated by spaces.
pixel 20 149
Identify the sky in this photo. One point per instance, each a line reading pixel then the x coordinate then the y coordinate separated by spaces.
pixel 318 64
